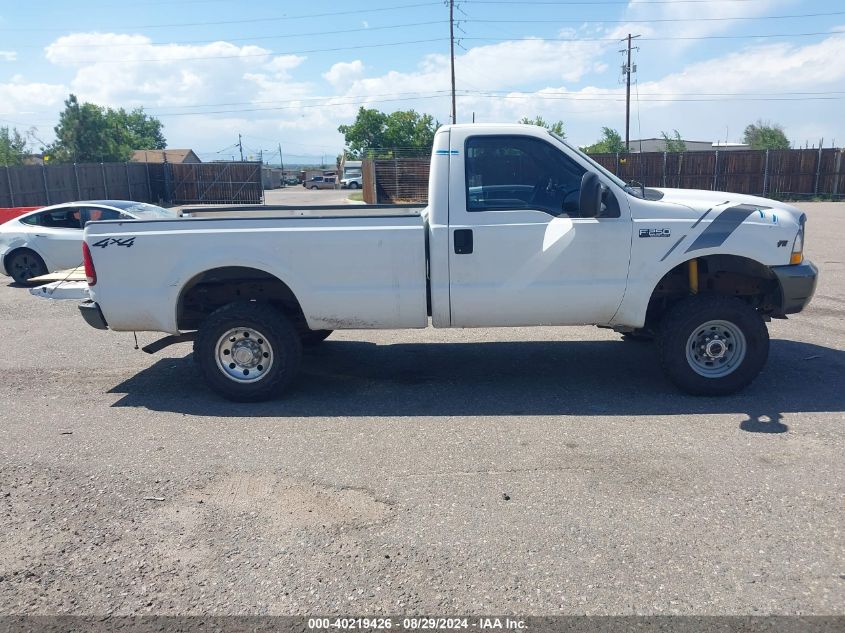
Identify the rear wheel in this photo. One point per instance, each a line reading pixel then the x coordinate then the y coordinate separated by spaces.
pixel 247 351
pixel 713 345
pixel 25 264
pixel 353 185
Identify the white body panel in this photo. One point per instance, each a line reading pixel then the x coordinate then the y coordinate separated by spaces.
pixel 346 272
pixel 756 238
pixel 527 267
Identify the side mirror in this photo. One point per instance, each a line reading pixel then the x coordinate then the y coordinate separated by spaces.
pixel 589 200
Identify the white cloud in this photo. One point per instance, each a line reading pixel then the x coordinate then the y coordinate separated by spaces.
pixel 753 71
pixel 698 18
pixel 286 105
pixel 22 98
pixel 343 74
pixel 129 70
pixel 8 56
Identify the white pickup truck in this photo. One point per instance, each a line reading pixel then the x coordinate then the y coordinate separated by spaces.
pixel 521 229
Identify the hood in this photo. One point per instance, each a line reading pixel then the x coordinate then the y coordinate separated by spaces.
pixel 701 200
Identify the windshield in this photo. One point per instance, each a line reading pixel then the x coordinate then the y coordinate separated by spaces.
pixel 145 210
pixel 616 179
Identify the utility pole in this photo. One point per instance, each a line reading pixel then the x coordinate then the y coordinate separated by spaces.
pixel 452 53
pixel 282 165
pixel 241 147
pixel 628 70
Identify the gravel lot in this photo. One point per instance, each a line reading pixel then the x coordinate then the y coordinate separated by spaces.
pixel 529 471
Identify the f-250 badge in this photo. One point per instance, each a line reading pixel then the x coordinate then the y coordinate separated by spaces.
pixel 655 232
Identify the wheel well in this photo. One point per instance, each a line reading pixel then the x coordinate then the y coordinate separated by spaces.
pixel 214 288
pixel 18 250
pixel 727 275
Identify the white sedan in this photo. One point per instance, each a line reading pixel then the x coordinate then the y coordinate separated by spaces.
pixel 50 239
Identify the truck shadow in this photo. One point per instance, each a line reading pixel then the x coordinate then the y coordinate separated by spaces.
pixel 347 378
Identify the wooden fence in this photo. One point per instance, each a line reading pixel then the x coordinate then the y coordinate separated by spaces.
pixel 168 183
pixel 792 173
pixel 395 180
pixel 799 173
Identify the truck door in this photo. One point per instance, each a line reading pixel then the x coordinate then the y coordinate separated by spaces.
pixel 520 253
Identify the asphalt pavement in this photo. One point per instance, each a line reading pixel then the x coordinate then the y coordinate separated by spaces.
pixel 530 471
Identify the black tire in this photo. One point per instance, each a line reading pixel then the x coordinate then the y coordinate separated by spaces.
pixel 313 188
pixel 685 324
pixel 273 337
pixel 25 264
pixel 312 338
pixel 353 185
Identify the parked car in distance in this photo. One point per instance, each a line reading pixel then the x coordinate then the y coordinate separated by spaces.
pixel 352 181
pixel 50 238
pixel 321 182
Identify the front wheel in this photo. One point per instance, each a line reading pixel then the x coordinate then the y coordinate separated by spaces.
pixel 313 187
pixel 247 351
pixel 712 345
pixel 353 185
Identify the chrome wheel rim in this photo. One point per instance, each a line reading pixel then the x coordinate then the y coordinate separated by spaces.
pixel 244 355
pixel 715 349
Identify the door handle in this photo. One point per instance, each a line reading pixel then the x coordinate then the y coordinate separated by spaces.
pixel 463 241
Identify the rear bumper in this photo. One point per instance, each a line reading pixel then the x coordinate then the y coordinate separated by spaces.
pixel 93 316
pixel 797 285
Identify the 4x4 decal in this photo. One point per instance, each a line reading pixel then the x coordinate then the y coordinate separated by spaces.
pixel 107 241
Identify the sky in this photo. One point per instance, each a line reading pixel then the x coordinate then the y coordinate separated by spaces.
pixel 284 73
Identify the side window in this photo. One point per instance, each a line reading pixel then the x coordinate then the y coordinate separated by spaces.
pixel 58 219
pixel 520 172
pixel 92 215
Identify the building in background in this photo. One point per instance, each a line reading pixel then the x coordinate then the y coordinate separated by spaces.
pixel 659 145
pixel 179 156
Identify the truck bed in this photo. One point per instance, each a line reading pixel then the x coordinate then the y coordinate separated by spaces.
pixel 349 267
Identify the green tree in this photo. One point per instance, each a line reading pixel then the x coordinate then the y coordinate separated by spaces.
pixel 609 143
pixel 765 135
pixel 674 143
pixel 556 127
pixel 373 129
pixel 145 131
pixel 12 147
pixel 90 133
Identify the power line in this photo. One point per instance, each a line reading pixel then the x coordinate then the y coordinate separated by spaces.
pixel 253 20
pixel 588 40
pixel 593 2
pixel 251 55
pixel 241 39
pixel 426 41
pixel 651 21
pixel 574 40
pixel 666 97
